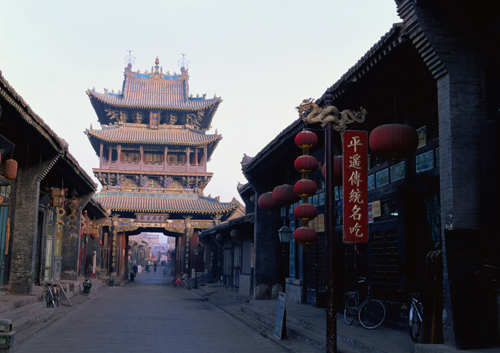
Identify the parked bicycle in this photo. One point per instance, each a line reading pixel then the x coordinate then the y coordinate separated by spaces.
pixel 181 282
pixel 370 313
pixel 50 295
pixel 415 318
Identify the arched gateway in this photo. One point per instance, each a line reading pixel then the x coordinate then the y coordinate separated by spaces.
pixel 153 151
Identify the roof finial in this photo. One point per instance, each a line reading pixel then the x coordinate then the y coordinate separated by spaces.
pixel 183 63
pixel 130 59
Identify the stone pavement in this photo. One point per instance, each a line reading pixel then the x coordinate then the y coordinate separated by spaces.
pixel 304 319
pixel 147 315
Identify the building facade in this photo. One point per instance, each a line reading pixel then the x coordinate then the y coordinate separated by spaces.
pixel 432 217
pixel 43 193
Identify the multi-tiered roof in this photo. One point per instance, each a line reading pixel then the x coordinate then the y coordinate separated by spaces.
pixel 154 112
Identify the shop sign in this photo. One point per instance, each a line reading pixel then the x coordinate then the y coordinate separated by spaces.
pixel 355 186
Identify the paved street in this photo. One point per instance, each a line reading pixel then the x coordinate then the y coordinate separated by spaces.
pixel 148 315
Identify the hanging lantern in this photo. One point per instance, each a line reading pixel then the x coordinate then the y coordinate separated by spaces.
pixel 305 164
pixel 100 242
pixel 266 202
pixel 393 141
pixel 235 234
pixel 285 195
pixel 337 170
pixel 305 235
pixel 305 188
pixel 128 247
pixel 57 197
pixel 305 212
pixel 10 169
pixel 219 237
pixel 86 225
pixel 306 139
pixel 95 230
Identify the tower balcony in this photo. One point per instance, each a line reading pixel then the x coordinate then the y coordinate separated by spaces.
pixel 152 167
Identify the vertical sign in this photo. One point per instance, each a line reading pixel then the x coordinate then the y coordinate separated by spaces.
pixel 280 317
pixel 355 186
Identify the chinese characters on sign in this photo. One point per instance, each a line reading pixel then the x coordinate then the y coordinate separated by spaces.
pixel 355 186
pixel 151 218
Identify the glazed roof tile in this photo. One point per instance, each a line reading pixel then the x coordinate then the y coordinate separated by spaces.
pixel 176 203
pixel 154 94
pixel 163 137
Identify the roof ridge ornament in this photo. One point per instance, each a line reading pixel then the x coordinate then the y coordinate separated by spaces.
pixel 129 60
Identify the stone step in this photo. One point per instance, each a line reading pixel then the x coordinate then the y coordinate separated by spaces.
pixel 23 323
pixel 300 333
pixel 24 311
pixel 265 330
pixel 16 302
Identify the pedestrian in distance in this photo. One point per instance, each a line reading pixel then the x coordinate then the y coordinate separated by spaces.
pixel 135 269
pixel 154 266
pixel 147 268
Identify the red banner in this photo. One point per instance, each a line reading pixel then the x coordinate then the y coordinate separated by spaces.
pixel 355 168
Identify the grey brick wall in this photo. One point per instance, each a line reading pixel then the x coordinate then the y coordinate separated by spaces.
pixel 24 227
pixel 458 67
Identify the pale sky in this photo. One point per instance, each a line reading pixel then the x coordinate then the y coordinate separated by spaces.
pixel 262 57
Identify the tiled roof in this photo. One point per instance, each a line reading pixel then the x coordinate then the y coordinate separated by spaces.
pixel 154 94
pixel 163 137
pixel 165 204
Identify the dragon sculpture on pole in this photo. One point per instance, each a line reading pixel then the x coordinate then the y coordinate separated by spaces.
pixel 329 114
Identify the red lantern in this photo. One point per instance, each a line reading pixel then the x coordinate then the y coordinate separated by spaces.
pixel 305 235
pixel 266 202
pixel 305 212
pixel 393 141
pixel 305 188
pixel 235 234
pixel 219 236
pixel 285 195
pixel 337 170
pixel 10 169
pixel 306 139
pixel 305 163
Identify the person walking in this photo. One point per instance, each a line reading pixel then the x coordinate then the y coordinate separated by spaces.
pixel 154 266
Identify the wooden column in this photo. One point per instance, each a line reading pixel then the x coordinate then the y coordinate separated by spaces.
pixel 165 159
pixel 196 157
pixel 205 157
pixel 100 155
pixel 187 158
pixel 141 149
pixel 118 153
pixel 110 153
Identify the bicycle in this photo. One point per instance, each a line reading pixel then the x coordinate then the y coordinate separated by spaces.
pixel 415 319
pixel 370 313
pixel 181 282
pixel 50 295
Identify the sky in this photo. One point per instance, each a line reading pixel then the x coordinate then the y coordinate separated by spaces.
pixel 262 57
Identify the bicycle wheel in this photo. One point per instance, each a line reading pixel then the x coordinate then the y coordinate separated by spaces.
pixel 182 283
pixel 49 301
pixel 174 283
pixel 187 285
pixel 350 310
pixel 415 324
pixel 371 314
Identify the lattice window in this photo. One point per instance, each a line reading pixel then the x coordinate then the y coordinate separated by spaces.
pixel 385 265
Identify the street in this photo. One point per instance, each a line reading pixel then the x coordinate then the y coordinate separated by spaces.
pixel 148 315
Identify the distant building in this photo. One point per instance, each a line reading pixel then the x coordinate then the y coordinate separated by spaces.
pixel 153 151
